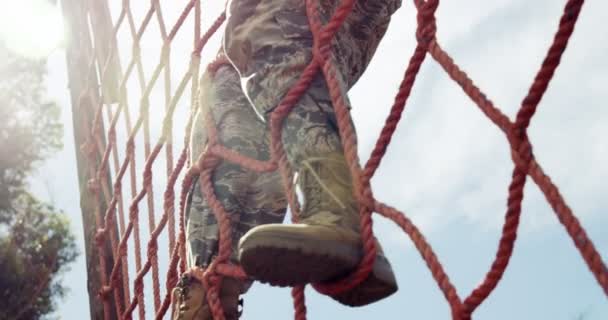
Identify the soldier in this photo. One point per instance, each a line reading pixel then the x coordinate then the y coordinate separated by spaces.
pixel 269 43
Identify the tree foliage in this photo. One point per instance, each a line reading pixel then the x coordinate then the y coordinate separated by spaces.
pixel 30 129
pixel 35 250
pixel 36 244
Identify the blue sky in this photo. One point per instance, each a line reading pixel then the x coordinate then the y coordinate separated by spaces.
pixel 448 167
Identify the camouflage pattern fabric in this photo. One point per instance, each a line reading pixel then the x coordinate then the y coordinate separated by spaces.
pixel 249 197
pixel 269 44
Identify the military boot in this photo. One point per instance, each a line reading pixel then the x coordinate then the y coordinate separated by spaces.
pixel 190 301
pixel 326 243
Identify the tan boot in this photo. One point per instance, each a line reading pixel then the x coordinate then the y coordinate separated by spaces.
pixel 325 245
pixel 189 298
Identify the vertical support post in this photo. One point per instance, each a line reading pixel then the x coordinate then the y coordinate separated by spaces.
pixel 105 44
pixel 78 56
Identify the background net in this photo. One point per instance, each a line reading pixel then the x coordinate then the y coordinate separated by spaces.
pixel 136 142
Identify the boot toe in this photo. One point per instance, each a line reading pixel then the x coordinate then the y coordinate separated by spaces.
pixel 380 284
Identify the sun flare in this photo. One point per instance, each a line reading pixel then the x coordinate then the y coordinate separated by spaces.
pixel 31 28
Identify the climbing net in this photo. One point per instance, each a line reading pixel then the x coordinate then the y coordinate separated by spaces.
pixel 102 144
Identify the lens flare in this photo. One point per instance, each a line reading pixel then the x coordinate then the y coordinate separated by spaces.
pixel 31 28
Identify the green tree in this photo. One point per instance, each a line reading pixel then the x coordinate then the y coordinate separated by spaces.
pixel 36 245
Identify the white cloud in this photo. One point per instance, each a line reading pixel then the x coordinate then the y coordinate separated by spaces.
pixel 447 161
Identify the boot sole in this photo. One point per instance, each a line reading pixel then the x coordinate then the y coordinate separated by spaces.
pixel 293 260
pixel 297 260
pixel 379 284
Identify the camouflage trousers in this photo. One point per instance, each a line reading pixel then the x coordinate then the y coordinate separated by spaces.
pixel 249 197
pixel 269 43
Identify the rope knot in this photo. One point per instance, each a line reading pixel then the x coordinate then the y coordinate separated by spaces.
pixel 136 49
pixel 208 162
pixel 144 109
pixel 88 148
pixel 321 50
pixel 521 148
pixel 427 26
pixel 118 188
pixel 167 128
pixel 523 155
pixel 219 61
pixel 152 247
pixel 112 133
pixel 131 148
pixel 165 51
pixel 122 248
pixel 196 273
pixel 105 292
pixel 133 212
pixel 100 237
pixel 139 285
pixel 93 185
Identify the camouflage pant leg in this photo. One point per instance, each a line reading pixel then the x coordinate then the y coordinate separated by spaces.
pixel 249 197
pixel 270 43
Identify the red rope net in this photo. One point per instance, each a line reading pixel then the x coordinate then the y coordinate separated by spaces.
pixel 515 132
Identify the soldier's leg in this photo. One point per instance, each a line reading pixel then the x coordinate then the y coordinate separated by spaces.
pixel 249 198
pixel 238 129
pixel 270 43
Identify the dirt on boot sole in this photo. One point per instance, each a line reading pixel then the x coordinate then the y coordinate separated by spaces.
pixel 290 255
